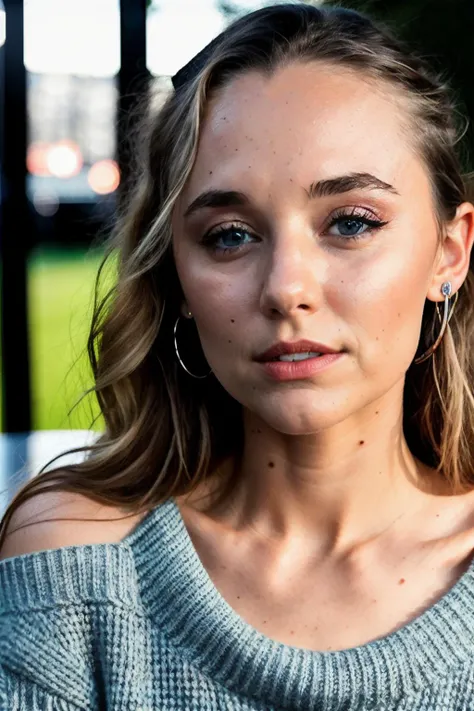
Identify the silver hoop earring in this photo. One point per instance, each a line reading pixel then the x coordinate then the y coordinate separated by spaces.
pixel 447 313
pixel 199 377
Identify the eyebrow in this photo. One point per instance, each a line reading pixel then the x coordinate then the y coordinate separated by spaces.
pixel 322 188
pixel 217 198
pixel 345 183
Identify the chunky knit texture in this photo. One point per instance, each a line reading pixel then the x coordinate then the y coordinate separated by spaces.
pixel 139 625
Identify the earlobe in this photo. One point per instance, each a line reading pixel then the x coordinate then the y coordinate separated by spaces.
pixel 185 311
pixel 455 252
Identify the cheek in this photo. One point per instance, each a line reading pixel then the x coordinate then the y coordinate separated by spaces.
pixel 384 307
pixel 220 300
pixel 209 292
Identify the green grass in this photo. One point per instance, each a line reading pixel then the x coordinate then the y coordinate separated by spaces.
pixel 60 286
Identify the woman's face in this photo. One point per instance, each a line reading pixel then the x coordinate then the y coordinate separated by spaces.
pixel 329 237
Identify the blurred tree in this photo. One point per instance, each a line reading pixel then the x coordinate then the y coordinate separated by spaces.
pixel 443 33
pixel 228 9
pixel 231 9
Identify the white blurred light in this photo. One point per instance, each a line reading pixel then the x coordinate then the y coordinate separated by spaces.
pixel 177 30
pixel 64 159
pixel 3 29
pixel 80 37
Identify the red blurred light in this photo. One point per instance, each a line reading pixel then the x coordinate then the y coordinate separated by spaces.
pixel 37 158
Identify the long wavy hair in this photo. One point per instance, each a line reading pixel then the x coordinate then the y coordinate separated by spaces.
pixel 166 432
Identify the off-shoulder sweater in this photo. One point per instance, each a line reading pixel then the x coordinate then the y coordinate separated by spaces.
pixel 139 625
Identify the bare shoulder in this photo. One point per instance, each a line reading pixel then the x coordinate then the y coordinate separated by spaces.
pixel 58 519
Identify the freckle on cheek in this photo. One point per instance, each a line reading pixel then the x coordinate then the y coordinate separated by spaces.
pixel 361 441
pixel 232 320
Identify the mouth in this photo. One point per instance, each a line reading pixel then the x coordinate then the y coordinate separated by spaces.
pixel 301 360
pixel 298 351
pixel 291 357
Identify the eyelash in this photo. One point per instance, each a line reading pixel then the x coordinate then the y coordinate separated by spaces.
pixel 210 239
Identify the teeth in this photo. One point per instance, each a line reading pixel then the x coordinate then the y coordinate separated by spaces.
pixel 298 356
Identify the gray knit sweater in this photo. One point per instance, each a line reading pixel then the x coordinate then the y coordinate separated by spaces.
pixel 138 625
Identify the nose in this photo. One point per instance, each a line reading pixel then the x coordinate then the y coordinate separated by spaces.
pixel 291 283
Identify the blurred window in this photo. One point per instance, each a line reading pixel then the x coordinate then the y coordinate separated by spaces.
pixel 72 57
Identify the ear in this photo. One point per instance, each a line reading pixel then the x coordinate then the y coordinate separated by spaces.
pixel 452 263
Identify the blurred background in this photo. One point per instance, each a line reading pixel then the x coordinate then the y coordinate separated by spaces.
pixel 70 73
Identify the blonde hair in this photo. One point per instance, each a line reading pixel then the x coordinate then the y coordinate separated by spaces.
pixel 165 432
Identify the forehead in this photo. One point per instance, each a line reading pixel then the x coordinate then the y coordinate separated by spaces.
pixel 312 120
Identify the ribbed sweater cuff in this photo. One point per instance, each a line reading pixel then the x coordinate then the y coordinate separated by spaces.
pixel 74 574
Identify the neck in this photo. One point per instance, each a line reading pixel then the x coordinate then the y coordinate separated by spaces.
pixel 337 488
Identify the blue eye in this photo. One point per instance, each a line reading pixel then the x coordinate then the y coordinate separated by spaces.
pixel 229 238
pixel 350 227
pixel 353 226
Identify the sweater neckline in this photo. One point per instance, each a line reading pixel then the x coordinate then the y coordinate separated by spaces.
pixel 202 625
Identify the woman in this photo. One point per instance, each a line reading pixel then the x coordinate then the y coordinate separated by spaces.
pixel 286 470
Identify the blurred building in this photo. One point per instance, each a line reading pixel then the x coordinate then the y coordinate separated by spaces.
pixel 77 108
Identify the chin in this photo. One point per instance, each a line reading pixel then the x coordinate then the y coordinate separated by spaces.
pixel 300 409
pixel 299 418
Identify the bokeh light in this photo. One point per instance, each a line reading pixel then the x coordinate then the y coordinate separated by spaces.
pixel 37 158
pixel 46 202
pixel 64 159
pixel 104 177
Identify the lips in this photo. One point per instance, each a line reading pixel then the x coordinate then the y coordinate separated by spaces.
pixel 285 348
